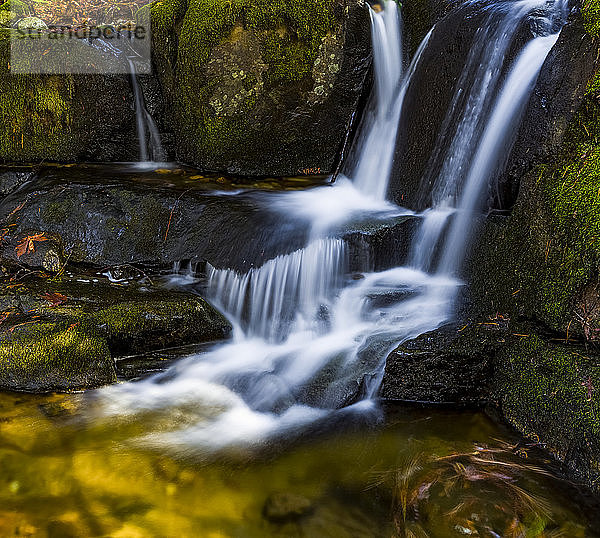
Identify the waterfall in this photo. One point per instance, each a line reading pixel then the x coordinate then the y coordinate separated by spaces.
pixel 506 112
pixel 309 338
pixel 377 141
pixel 289 289
pixel 151 149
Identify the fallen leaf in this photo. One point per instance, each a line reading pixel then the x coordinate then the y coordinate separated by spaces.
pixel 55 299
pixel 27 244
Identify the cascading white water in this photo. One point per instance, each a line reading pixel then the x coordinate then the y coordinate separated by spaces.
pixel 286 291
pixel 147 132
pixel 484 114
pixel 308 338
pixel 377 139
pixel 505 114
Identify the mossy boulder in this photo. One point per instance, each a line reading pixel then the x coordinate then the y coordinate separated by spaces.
pixel 50 356
pixel 549 392
pixel 65 332
pixel 11 11
pixel 63 117
pixel 265 87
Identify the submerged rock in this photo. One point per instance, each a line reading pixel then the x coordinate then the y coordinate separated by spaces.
pixel 264 87
pixel 283 507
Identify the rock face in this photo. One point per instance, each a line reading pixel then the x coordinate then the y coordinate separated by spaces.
pixel 63 333
pixel 65 117
pixel 263 87
pixel 449 365
pixel 105 222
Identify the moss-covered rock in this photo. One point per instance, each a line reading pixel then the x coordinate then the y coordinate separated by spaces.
pixel 63 117
pixel 64 333
pixel 49 356
pixel 549 392
pixel 263 87
pixel 11 11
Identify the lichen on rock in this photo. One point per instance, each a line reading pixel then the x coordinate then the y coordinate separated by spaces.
pixel 250 79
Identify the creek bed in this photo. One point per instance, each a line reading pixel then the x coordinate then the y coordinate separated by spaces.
pixel 430 472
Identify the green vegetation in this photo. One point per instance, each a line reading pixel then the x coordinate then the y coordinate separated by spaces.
pixel 590 10
pixel 550 392
pixel 35 111
pixel 281 39
pixel 44 356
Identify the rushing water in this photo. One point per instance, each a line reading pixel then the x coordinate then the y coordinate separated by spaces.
pixel 308 337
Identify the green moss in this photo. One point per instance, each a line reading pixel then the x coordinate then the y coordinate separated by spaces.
pixel 553 236
pixel 35 111
pixel 16 8
pixel 42 356
pixel 185 34
pixel 551 392
pixel 590 10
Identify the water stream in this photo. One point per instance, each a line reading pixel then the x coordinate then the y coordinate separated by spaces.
pixel 310 338
pixel 149 142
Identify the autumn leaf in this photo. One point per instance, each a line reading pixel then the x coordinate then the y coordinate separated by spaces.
pixel 55 299
pixel 27 244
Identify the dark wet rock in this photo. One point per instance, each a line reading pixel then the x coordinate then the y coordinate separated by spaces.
pixel 448 365
pixel 377 245
pixel 35 249
pixel 284 507
pixel 419 17
pixel 541 261
pixel 11 180
pixel 63 333
pixel 261 88
pixel 65 117
pixel 118 222
pixel 545 388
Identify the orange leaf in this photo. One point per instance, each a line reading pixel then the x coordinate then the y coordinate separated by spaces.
pixel 27 244
pixel 55 299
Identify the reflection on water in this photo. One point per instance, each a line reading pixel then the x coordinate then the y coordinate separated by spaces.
pixel 423 474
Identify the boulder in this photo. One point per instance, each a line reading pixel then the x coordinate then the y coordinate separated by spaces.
pixel 559 93
pixel 64 333
pixel 452 365
pixel 283 507
pixel 261 88
pixel 66 117
pixel 104 219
